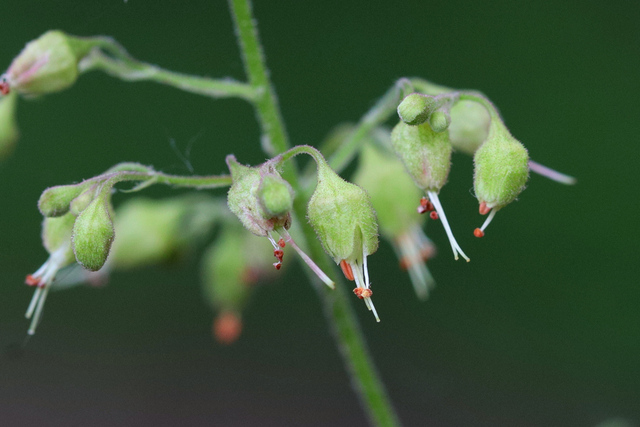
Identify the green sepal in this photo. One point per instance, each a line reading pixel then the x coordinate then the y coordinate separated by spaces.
pixel 93 234
pixel 244 201
pixel 426 154
pixel 342 216
pixel 501 168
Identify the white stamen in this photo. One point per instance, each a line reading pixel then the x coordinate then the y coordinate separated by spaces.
pixel 272 240
pixel 312 265
pixel 366 270
pixel 409 247
pixel 551 174
pixel 38 312
pixel 452 240
pixel 489 219
pixel 362 281
pixel 34 300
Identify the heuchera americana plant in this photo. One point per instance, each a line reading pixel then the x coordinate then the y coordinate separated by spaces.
pixel 271 207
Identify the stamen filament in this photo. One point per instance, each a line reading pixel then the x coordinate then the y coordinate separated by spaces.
pixel 551 174
pixel 452 240
pixel 38 312
pixel 312 265
pixel 489 219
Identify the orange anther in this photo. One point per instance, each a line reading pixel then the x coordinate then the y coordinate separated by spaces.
pixel 31 281
pixel 478 233
pixel 363 293
pixel 227 327
pixel 281 243
pixel 346 269
pixel 433 215
pixel 277 265
pixel 278 253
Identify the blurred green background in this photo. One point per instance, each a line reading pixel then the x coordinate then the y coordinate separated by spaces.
pixel 541 328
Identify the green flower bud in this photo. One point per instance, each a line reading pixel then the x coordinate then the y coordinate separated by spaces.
pixel 9 132
pixel 426 155
pixel 416 108
pixel 244 201
pixel 345 223
pixel 439 121
pixel 501 172
pixel 93 234
pixel 47 64
pixel 469 126
pixel 56 201
pixel 275 195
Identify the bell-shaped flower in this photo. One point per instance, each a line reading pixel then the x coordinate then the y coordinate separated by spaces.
pixel 345 223
pixel 262 200
pixel 393 196
pixel 56 238
pixel 426 156
pixel 501 172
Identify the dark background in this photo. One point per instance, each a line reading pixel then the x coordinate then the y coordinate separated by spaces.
pixel 542 328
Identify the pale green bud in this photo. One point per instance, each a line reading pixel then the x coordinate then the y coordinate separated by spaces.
pixel 93 234
pixel 244 199
pixel 501 169
pixel 393 194
pixel 342 216
pixel 275 195
pixel 469 126
pixel 81 202
pixel 56 201
pixel 47 64
pixel 439 121
pixel 426 155
pixel 416 108
pixel 9 132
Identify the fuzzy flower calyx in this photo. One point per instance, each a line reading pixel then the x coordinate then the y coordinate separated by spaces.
pixel 262 201
pixel 344 221
pixel 46 65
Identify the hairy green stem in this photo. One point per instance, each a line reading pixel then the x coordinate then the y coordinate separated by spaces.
pixel 127 68
pixel 337 307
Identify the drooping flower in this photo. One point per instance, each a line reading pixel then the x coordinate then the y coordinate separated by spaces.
pixel 393 196
pixel 262 200
pixel 344 221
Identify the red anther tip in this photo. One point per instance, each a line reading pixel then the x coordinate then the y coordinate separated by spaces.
pixel 478 233
pixel 281 243
pixel 484 209
pixel 346 270
pixel 424 202
pixel 362 292
pixel 278 253
pixel 31 281
pixel 277 265
pixel 4 88
pixel 433 215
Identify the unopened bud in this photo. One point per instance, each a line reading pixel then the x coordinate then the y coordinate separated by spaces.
pixel 439 121
pixel 469 126
pixel 47 64
pixel 415 108
pixel 275 195
pixel 93 234
pixel 56 201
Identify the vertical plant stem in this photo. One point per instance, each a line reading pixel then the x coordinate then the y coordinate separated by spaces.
pixel 353 349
